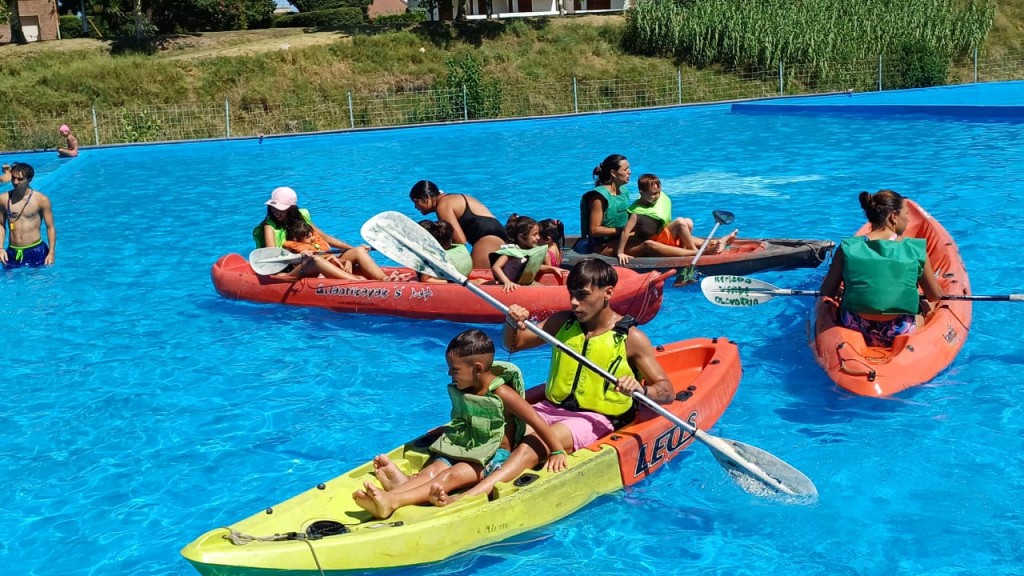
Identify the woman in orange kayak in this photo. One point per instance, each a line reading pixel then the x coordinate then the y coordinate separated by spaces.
pixel 878 275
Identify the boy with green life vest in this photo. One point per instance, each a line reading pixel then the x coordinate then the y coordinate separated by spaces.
pixel 519 264
pixel 651 231
pixel 878 275
pixel 489 417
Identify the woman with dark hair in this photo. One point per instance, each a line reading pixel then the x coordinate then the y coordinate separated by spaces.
pixel 472 223
pixel 603 209
pixel 880 273
pixel 283 214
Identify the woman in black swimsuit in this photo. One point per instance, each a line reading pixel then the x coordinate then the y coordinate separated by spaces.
pixel 471 221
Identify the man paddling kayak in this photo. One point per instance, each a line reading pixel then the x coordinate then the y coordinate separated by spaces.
pixel 578 405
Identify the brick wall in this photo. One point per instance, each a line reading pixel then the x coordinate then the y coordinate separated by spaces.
pixel 45 10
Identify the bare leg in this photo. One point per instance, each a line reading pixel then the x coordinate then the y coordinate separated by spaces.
pixel 483 249
pixel 426 476
pixel 383 504
pixel 682 228
pixel 526 455
pixel 724 242
pixel 362 260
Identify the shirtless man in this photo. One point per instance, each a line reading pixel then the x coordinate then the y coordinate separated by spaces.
pixel 70 148
pixel 23 211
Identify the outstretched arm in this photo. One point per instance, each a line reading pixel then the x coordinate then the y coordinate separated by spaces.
pixel 830 285
pixel 518 406
pixel 929 284
pixel 624 237
pixel 640 354
pixel 331 240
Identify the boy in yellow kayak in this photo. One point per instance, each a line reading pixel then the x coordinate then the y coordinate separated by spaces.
pixel 489 417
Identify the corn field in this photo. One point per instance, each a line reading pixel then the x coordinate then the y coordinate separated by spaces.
pixel 746 34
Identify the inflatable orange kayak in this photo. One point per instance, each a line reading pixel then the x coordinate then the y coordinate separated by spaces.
pixel 637 294
pixel 915 358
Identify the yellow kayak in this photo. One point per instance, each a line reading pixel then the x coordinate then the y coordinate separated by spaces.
pixel 322 529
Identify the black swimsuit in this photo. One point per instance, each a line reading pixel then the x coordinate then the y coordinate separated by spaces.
pixel 476 227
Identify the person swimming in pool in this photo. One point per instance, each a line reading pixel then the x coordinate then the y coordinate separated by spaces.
pixel 472 223
pixel 23 213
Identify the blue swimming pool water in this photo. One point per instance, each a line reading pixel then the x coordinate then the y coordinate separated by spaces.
pixel 141 409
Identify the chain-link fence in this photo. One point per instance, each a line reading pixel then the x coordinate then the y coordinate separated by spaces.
pixel 409 107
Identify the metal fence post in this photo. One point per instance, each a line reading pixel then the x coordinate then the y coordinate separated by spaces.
pixel 781 85
pixel 679 85
pixel 879 72
pixel 575 97
pixel 975 64
pixel 351 115
pixel 95 127
pixel 227 118
pixel 465 105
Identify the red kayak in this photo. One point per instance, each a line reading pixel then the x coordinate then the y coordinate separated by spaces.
pixel 637 294
pixel 915 358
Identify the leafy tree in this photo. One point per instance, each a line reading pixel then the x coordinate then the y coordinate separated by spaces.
pixel 13 17
pixel 134 17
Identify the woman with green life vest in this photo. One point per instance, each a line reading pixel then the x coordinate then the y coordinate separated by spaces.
pixel 603 209
pixel 283 212
pixel 519 264
pixel 489 417
pixel 651 231
pixel 877 276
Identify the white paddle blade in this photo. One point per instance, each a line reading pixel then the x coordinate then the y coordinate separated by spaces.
pixel 265 261
pixel 400 238
pixel 761 473
pixel 736 291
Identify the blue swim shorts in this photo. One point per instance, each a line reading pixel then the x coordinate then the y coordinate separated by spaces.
pixel 30 256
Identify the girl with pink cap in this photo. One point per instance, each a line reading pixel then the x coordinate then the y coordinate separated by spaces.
pixel 285 218
pixel 70 148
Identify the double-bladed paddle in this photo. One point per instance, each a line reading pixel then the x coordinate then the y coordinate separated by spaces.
pixel 689 274
pixel 742 292
pixel 265 261
pixel 402 240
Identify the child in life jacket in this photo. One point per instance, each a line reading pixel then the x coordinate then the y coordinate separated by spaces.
pixel 519 264
pixel 486 397
pixel 302 238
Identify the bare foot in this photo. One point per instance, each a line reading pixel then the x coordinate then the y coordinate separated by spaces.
pixel 374 500
pixel 723 242
pixel 438 497
pixel 388 473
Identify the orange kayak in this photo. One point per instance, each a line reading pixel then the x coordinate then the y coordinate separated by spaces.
pixel 915 358
pixel 637 294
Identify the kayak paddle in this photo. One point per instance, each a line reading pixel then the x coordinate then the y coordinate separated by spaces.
pixel 741 292
pixel 265 261
pixel 689 275
pixel 401 239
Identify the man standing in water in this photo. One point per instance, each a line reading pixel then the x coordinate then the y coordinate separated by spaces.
pixel 23 211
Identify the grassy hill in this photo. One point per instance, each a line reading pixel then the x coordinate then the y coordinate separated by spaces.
pixel 266 73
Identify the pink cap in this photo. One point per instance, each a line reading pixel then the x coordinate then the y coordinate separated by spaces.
pixel 283 198
pixel 64 128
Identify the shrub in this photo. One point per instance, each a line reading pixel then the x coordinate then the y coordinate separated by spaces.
pixel 321 5
pixel 404 18
pixel 483 97
pixel 71 27
pixel 322 18
pixel 916 64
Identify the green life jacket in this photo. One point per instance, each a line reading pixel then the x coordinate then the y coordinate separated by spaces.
pixel 615 216
pixel 523 264
pixel 279 233
pixel 880 276
pixel 576 387
pixel 461 259
pixel 478 422
pixel 660 211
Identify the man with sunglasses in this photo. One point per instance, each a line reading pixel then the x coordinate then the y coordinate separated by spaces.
pixel 23 211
